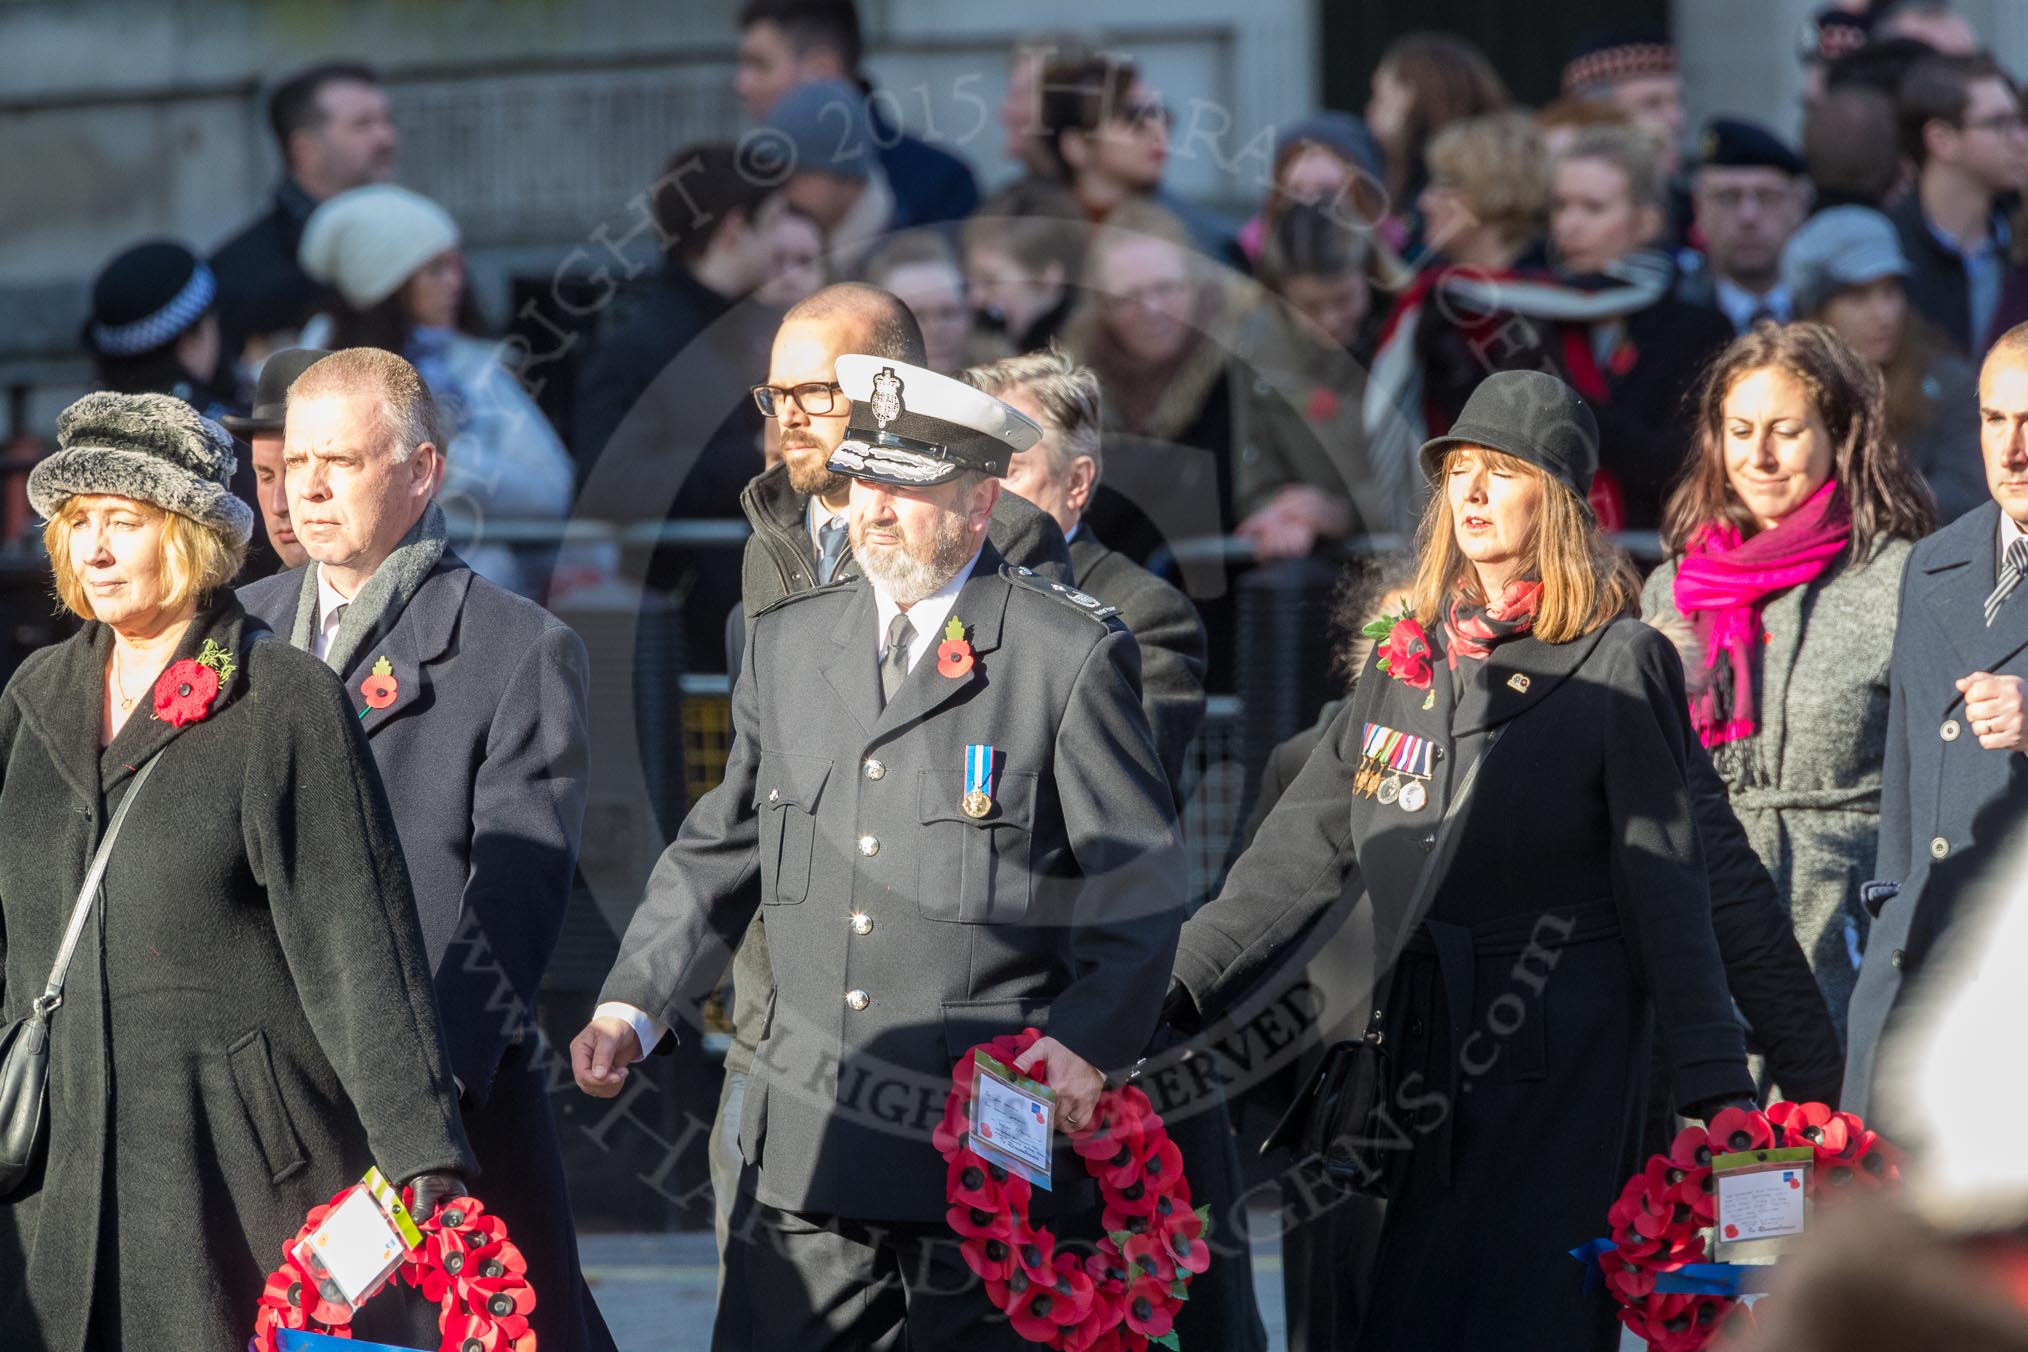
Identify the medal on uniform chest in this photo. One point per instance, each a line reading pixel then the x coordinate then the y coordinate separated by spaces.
pixel 978 799
pixel 1395 768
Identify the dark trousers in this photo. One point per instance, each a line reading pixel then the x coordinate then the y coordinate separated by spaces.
pixel 816 1282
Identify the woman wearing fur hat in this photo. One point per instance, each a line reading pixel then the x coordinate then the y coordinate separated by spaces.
pixel 391 259
pixel 248 1023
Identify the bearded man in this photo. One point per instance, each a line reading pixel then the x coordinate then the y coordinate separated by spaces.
pixel 944 781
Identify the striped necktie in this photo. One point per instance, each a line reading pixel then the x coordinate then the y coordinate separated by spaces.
pixel 832 537
pixel 2010 576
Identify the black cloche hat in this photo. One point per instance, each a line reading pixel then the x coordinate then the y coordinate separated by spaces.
pixel 1532 416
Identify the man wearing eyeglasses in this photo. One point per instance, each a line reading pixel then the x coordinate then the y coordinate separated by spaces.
pixel 1750 194
pixel 1961 124
pixel 800 540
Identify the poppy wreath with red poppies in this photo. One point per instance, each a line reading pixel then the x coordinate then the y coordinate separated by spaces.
pixel 1661 1221
pixel 465 1265
pixel 1122 1296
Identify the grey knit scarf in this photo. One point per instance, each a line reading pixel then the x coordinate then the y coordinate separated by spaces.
pixel 390 589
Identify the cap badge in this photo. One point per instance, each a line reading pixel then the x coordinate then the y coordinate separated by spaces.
pixel 886 401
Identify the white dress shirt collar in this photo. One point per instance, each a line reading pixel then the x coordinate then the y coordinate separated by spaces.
pixel 1740 305
pixel 927 615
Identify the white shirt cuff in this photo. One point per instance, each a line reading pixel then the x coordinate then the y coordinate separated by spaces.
pixel 646 1028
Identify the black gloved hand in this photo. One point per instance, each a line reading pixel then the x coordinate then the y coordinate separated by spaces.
pixel 432 1191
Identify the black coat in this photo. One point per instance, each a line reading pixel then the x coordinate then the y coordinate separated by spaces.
pixel 1566 910
pixel 249 1023
pixel 484 756
pixel 1937 286
pixel 1165 624
pixel 261 287
pixel 1644 427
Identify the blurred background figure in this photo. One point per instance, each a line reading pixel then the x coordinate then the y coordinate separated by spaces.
pixel 1327 159
pixel 1561 121
pixel 1845 268
pixel 1961 125
pixel 1020 110
pixel 1302 340
pixel 1424 82
pixel 1834 31
pixel 796 252
pixel 396 275
pixel 154 326
pixel 1852 149
pixel 332 127
pixel 787 43
pixel 1748 195
pixel 832 175
pixel 1019 265
pixel 1787 539
pixel 1932 22
pixel 921 267
pixel 1638 364
pixel 1632 66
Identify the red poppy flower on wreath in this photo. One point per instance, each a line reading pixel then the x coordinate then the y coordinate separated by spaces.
pixel 1127 1290
pixel 183 694
pixel 1737 1129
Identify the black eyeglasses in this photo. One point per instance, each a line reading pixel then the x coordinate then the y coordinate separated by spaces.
pixel 816 398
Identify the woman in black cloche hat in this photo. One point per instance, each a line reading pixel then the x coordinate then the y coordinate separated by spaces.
pixel 1513 760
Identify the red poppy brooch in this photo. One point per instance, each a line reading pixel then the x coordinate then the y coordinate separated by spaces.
pixel 1404 648
pixel 185 692
pixel 954 655
pixel 1122 1294
pixel 380 689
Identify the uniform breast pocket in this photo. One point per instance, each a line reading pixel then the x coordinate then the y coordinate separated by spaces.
pixel 785 799
pixel 975 870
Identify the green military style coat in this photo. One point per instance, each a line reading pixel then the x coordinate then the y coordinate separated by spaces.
pixel 902 929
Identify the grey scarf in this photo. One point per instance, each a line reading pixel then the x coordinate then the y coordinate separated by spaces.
pixel 390 589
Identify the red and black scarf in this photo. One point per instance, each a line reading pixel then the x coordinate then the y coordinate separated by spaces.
pixel 1473 630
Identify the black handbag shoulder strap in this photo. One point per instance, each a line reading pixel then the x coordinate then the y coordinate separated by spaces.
pixel 52 995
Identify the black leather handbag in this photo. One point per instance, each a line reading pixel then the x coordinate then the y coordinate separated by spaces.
pixel 1340 1117
pixel 24 1043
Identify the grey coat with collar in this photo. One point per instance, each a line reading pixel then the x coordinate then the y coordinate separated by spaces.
pixel 483 752
pixel 1165 624
pixel 1806 785
pixel 1946 803
pixel 1057 910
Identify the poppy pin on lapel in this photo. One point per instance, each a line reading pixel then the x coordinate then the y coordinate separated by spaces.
pixel 380 688
pixel 954 655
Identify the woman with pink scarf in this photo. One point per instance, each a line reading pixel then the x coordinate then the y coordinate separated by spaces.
pixel 1788 534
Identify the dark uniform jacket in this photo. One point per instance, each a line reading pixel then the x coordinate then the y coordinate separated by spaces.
pixel 1946 803
pixel 483 753
pixel 1548 903
pixel 781 560
pixel 248 1022
pixel 1057 910
pixel 261 286
pixel 1165 624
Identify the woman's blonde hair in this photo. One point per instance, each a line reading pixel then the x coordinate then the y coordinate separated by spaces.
pixel 196 560
pixel 1498 165
pixel 1586 583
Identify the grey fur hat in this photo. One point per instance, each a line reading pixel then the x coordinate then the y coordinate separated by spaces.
pixel 149 447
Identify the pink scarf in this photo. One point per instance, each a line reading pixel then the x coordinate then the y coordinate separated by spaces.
pixel 1721 585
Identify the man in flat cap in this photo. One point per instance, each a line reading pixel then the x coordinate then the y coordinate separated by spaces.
pixel 1750 194
pixel 944 779
pixel 262 429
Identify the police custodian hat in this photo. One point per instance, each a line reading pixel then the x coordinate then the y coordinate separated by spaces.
pixel 913 428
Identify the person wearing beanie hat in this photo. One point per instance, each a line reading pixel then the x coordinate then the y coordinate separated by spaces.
pixel 1517 740
pixel 1749 193
pixel 262 429
pixel 241 1027
pixel 833 177
pixel 397 281
pixel 1327 159
pixel 1632 66
pixel 153 327
pixel 1845 269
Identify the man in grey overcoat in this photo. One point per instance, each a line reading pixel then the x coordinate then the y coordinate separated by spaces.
pixel 1955 783
pixel 473 701
pixel 915 906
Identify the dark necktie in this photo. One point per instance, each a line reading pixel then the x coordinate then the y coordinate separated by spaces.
pixel 831 540
pixel 2010 576
pixel 894 670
